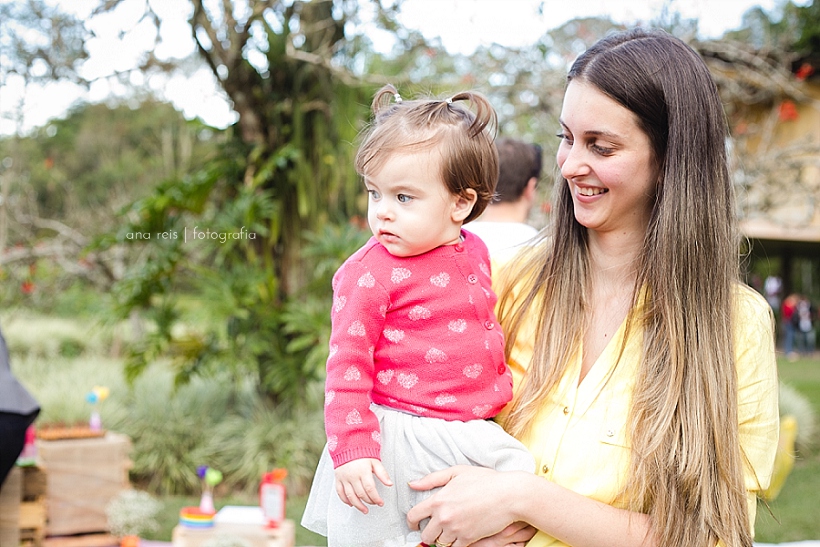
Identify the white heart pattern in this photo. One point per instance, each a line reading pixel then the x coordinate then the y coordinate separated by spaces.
pixel 484 269
pixel 394 335
pixel 457 325
pixel 376 436
pixel 384 376
pixel 352 374
pixel 356 329
pixel 339 303
pixel 445 398
pixel 473 371
pixel 482 410
pixel 333 350
pixel 332 443
pixel 419 410
pixel 383 310
pixel 399 275
pixel 440 280
pixel 354 418
pixel 367 280
pixel 435 355
pixel 407 380
pixel 329 396
pixel 419 312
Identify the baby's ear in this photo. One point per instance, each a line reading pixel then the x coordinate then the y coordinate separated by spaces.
pixel 463 205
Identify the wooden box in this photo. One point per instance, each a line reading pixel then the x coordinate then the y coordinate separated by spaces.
pixel 23 508
pixel 10 496
pixel 82 477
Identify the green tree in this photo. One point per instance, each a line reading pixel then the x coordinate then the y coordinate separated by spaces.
pixel 285 172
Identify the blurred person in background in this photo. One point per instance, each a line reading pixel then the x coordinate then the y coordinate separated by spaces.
pixel 503 225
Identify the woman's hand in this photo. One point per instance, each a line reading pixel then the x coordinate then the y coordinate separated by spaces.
pixel 474 503
pixel 355 484
pixel 516 534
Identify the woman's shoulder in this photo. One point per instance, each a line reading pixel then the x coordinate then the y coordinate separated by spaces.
pixel 750 303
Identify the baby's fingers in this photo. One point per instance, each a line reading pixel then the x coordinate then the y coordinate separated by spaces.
pixel 369 492
pixel 381 473
pixel 354 495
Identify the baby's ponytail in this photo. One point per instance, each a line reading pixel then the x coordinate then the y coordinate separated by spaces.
pixel 485 116
pixel 383 98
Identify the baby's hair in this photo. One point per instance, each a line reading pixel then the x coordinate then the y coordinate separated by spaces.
pixel 469 159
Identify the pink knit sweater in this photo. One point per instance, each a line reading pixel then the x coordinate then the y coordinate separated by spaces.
pixel 416 334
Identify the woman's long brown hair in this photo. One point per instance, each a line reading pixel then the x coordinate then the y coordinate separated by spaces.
pixel 686 464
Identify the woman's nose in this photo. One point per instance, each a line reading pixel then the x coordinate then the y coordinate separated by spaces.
pixel 572 162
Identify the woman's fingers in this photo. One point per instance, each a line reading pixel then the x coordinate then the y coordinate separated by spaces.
pixel 436 478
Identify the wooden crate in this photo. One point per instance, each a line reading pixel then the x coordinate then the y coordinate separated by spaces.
pixel 23 508
pixel 82 477
pixel 10 496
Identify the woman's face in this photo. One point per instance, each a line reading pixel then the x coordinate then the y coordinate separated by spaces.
pixel 607 160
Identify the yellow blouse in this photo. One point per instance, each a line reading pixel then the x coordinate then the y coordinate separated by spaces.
pixel 580 439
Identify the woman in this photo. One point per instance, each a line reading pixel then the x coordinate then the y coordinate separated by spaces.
pixel 646 384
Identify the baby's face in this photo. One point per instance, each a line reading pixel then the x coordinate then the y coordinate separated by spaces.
pixel 409 209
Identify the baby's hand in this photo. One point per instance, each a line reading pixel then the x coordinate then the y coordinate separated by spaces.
pixel 355 484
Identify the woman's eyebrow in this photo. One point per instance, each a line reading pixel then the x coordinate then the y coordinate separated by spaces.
pixel 594 132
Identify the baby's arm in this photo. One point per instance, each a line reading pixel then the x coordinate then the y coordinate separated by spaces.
pixel 355 484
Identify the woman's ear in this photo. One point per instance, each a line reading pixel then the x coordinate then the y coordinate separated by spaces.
pixel 463 205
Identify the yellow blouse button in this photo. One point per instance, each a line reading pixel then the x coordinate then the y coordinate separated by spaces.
pixel 566 410
pixel 545 469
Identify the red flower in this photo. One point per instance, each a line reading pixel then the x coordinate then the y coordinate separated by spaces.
pixel 27 287
pixel 788 111
pixel 804 71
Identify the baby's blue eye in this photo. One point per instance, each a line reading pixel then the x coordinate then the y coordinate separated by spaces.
pixel 403 198
pixel 373 194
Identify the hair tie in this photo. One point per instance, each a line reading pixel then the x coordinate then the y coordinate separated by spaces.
pixel 397 97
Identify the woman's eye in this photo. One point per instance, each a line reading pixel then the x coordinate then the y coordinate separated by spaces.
pixel 564 137
pixel 403 198
pixel 602 150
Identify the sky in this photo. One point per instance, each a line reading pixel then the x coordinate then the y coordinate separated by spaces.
pixel 462 25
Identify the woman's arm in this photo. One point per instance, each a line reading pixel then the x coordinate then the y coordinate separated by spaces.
pixel 476 503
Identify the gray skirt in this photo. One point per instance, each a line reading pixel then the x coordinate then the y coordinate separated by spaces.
pixel 412 447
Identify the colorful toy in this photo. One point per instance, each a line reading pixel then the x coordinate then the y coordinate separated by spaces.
pixel 96 396
pixel 272 495
pixel 209 478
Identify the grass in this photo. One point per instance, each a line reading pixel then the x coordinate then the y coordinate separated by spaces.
pixel 792 516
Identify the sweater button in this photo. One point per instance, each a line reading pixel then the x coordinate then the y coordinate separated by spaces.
pixel 472 278
pixel 502 370
pixel 489 325
pixel 459 247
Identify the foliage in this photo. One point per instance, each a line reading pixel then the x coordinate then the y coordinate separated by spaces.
pixel 132 512
pixel 210 420
pixel 39 42
pixel 287 171
pixel 66 182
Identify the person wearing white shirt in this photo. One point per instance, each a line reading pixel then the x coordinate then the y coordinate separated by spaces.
pixel 503 226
